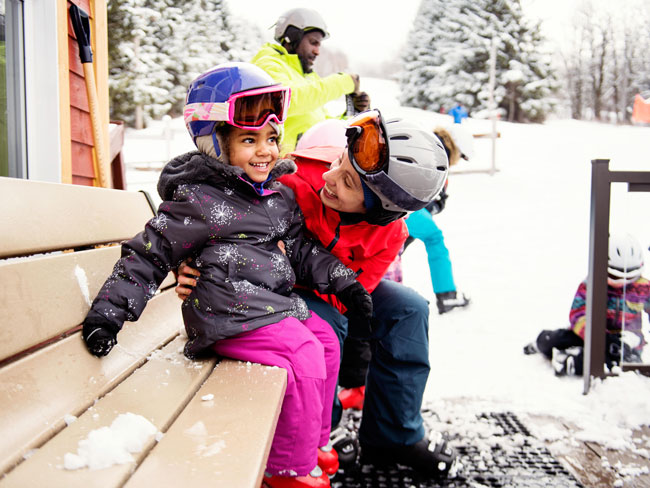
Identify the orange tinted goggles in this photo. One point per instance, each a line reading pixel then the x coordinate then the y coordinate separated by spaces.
pixel 367 142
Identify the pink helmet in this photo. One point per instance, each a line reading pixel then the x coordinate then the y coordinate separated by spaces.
pixel 330 132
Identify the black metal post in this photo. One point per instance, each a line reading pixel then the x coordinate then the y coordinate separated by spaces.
pixel 594 348
pixel 595 329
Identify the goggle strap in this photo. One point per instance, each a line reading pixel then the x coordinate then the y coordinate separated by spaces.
pixel 206 111
pixel 393 192
pixel 215 143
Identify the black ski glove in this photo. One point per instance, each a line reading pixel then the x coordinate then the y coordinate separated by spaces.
pixel 437 205
pixel 361 101
pixel 100 336
pixel 359 304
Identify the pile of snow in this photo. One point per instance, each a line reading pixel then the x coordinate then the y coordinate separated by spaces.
pixel 107 446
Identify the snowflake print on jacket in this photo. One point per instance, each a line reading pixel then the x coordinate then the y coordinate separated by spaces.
pixel 231 229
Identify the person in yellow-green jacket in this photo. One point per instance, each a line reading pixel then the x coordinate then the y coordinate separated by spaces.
pixel 299 33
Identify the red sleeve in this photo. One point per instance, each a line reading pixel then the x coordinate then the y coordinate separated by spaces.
pixel 374 267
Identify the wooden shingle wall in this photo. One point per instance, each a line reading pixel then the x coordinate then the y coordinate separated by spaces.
pixel 80 164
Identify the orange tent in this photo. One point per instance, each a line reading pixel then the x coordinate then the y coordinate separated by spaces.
pixel 641 110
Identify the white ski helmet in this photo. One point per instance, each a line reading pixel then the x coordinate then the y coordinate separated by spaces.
pixel 304 19
pixel 417 168
pixel 625 258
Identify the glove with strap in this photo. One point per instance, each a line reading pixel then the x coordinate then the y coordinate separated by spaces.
pixel 359 310
pixel 361 101
pixel 99 335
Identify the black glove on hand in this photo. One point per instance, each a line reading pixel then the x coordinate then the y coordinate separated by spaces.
pixel 361 101
pixel 99 336
pixel 359 304
pixel 437 205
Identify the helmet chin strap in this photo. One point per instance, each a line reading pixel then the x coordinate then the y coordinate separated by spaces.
pixel 215 143
pixel 291 39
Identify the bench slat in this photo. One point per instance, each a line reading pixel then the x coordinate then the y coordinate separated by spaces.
pixel 47 296
pixel 239 424
pixel 158 391
pixel 37 391
pixel 77 216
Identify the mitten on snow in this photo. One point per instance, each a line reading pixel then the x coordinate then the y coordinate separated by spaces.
pixel 99 335
pixel 359 304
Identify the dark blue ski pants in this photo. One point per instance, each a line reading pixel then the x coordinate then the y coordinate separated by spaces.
pixel 399 368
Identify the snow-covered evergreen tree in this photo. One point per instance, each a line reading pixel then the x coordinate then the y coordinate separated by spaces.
pixel 446 60
pixel 137 74
pixel 157 47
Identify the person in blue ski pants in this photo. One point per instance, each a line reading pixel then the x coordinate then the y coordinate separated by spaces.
pixel 421 225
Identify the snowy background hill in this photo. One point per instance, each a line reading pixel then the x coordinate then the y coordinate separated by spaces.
pixel 518 241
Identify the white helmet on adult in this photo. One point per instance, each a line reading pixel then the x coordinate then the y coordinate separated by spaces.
pixel 417 167
pixel 625 258
pixel 303 19
pixel 412 167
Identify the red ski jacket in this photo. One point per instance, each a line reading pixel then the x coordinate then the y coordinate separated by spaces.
pixel 367 249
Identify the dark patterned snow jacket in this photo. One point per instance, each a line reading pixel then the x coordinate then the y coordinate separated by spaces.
pixel 231 229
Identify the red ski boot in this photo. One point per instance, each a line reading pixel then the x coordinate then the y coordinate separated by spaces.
pixel 352 397
pixel 328 459
pixel 315 479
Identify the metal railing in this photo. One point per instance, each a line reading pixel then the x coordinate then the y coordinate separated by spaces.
pixel 594 349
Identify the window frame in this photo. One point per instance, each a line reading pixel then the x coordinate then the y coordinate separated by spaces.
pixel 42 89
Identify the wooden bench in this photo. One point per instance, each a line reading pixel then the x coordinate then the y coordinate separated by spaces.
pixel 54 233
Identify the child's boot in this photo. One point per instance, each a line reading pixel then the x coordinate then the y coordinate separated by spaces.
pixel 449 300
pixel 346 445
pixel 567 362
pixel 352 397
pixel 315 479
pixel 328 459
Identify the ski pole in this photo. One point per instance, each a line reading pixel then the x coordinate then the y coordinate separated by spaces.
pixel 349 106
pixel 81 26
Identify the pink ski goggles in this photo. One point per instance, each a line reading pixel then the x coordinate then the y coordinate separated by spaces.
pixel 250 109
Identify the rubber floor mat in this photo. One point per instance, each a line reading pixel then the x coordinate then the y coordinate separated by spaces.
pixel 510 458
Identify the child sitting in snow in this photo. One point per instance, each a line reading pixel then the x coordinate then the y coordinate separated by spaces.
pixel 224 209
pixel 628 294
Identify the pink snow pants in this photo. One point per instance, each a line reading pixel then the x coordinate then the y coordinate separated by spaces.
pixel 309 351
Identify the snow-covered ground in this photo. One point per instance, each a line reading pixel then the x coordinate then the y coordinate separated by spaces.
pixel 519 245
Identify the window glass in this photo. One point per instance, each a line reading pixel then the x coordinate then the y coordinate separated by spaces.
pixel 12 90
pixel 4 153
